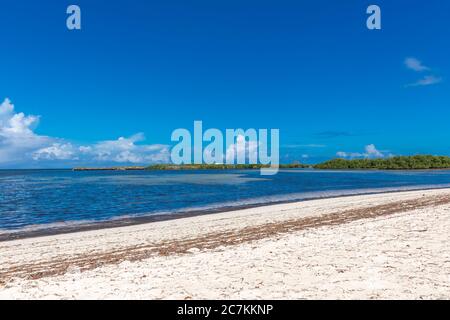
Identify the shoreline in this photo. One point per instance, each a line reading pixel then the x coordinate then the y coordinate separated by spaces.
pixel 6 235
pixel 390 245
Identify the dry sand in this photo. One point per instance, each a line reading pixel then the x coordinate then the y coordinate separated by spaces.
pixel 393 245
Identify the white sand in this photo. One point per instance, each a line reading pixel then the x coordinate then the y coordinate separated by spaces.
pixel 405 255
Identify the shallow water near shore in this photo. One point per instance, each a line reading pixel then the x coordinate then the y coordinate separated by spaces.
pixel 49 199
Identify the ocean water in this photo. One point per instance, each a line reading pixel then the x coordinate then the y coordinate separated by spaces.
pixel 42 199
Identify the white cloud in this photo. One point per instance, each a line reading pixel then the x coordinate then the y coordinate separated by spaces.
pixel 415 64
pixel 20 146
pixel 57 151
pixel 15 123
pixel 17 138
pixel 370 152
pixel 126 150
pixel 426 81
pixel 6 108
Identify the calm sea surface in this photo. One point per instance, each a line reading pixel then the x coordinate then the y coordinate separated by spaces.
pixel 48 198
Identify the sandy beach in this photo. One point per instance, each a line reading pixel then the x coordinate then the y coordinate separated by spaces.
pixel 380 246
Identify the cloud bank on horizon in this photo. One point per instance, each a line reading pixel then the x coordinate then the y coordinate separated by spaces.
pixel 370 151
pixel 20 146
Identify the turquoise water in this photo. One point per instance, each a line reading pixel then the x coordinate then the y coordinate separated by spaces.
pixel 48 198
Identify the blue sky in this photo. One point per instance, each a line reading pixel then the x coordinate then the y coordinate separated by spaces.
pixel 140 69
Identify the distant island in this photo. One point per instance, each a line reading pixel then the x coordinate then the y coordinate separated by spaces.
pixel 418 162
pixel 162 167
pixel 393 163
pixel 128 168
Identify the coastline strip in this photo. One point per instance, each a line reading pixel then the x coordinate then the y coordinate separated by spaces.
pixel 209 240
pixel 145 219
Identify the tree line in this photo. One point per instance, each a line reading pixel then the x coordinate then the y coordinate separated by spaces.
pixel 393 163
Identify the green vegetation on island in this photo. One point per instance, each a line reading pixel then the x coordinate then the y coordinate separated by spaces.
pixel 162 167
pixel 221 166
pixel 419 162
pixel 394 163
pixel 124 168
